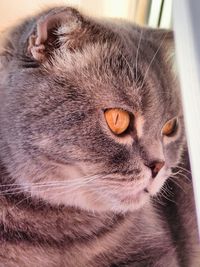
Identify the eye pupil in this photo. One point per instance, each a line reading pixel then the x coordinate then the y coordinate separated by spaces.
pixel 117 117
pixel 170 127
pixel 117 120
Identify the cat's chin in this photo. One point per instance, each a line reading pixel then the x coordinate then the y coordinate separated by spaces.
pixel 118 205
pixel 122 204
pixel 132 202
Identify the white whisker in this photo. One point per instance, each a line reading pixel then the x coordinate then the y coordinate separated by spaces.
pixel 64 185
pixel 131 71
pixel 137 53
pixel 52 182
pixel 176 183
pixel 154 56
pixel 183 169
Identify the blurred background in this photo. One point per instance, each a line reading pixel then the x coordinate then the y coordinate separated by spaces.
pixel 155 13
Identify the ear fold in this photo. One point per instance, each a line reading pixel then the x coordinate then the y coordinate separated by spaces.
pixel 164 39
pixel 6 50
pixel 50 30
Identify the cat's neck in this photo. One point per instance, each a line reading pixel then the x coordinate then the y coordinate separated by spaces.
pixel 68 223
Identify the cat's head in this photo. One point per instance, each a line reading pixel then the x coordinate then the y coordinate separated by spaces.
pixel 90 111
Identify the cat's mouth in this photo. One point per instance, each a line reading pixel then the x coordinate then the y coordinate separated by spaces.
pixel 132 197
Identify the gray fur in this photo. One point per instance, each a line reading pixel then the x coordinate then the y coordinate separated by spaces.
pixel 66 179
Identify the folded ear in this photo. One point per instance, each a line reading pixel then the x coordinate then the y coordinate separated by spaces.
pixel 6 50
pixel 164 40
pixel 51 30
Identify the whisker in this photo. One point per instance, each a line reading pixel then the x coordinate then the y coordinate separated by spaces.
pixel 151 62
pixel 131 71
pixel 176 183
pixel 65 186
pixel 24 199
pixel 181 175
pixel 176 173
pixel 158 199
pixel 137 54
pixel 167 190
pixel 163 193
pixel 82 179
pixel 183 169
pixel 41 189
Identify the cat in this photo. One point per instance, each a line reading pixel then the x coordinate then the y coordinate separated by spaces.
pixel 93 157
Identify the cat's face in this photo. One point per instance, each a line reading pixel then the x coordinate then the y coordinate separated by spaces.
pixel 60 143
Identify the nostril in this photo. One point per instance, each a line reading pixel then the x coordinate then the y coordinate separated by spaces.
pixel 155 167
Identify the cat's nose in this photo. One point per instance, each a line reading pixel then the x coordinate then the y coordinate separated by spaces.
pixel 155 167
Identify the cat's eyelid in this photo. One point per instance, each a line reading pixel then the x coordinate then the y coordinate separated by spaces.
pixel 172 118
pixel 122 107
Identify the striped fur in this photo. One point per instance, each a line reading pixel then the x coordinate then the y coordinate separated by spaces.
pixel 72 194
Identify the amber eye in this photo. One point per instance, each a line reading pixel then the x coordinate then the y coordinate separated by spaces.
pixel 170 127
pixel 117 119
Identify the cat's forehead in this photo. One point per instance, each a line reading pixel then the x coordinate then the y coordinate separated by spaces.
pixel 117 70
pixel 100 70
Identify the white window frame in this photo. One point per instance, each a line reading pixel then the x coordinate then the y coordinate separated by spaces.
pixel 186 20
